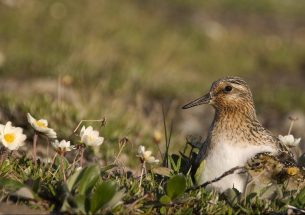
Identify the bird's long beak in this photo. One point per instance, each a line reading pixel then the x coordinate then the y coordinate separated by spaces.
pixel 202 100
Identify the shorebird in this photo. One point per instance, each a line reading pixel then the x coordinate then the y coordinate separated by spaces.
pixel 237 138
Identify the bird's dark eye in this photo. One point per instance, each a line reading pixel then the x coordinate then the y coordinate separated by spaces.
pixel 227 89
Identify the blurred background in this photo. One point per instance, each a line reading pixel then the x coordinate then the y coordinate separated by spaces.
pixel 125 60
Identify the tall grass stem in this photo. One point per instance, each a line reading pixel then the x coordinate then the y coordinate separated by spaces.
pixel 35 148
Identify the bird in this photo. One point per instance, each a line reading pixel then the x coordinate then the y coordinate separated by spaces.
pixel 266 169
pixel 237 138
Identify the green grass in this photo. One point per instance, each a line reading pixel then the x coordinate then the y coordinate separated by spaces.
pixel 127 59
pixel 113 189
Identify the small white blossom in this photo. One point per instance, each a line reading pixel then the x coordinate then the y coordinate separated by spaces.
pixel 78 168
pixel 289 140
pixel 145 156
pixel 90 137
pixel 41 126
pixel 11 137
pixel 62 146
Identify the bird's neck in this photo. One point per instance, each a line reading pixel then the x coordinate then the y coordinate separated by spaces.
pixel 234 123
pixel 234 114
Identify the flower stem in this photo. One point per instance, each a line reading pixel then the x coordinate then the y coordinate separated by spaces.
pixel 53 160
pixel 142 172
pixel 63 168
pixel 48 146
pixel 82 149
pixel 103 121
pixel 74 161
pixel 3 154
pixel 292 119
pixel 290 128
pixel 120 151
pixel 161 155
pixel 35 148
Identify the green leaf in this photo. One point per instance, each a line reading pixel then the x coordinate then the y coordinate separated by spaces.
pixel 87 179
pixel 164 171
pixel 187 211
pixel 299 200
pixel 81 203
pixel 65 206
pixel 175 162
pixel 116 200
pixel 250 198
pixel 199 172
pixel 106 168
pixel 163 210
pixel 10 184
pixel 232 195
pixel 72 180
pixel 176 185
pixel 165 200
pixel 102 195
pixel 35 185
pixel 301 195
pixel 58 161
pixel 5 166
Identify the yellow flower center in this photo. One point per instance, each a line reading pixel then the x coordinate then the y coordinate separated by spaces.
pixel 10 137
pixel 41 124
pixel 91 138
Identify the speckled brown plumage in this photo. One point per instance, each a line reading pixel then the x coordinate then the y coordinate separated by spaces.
pixel 235 135
pixel 265 169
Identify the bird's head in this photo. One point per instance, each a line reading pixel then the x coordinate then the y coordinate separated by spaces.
pixel 226 94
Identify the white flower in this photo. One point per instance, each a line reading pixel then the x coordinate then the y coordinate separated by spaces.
pixel 11 137
pixel 41 126
pixel 90 137
pixel 145 156
pixel 62 146
pixel 78 168
pixel 289 140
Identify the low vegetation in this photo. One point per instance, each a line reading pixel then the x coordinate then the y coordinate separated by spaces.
pixel 64 183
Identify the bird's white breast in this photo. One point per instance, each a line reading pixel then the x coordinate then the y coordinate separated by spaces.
pixel 226 155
